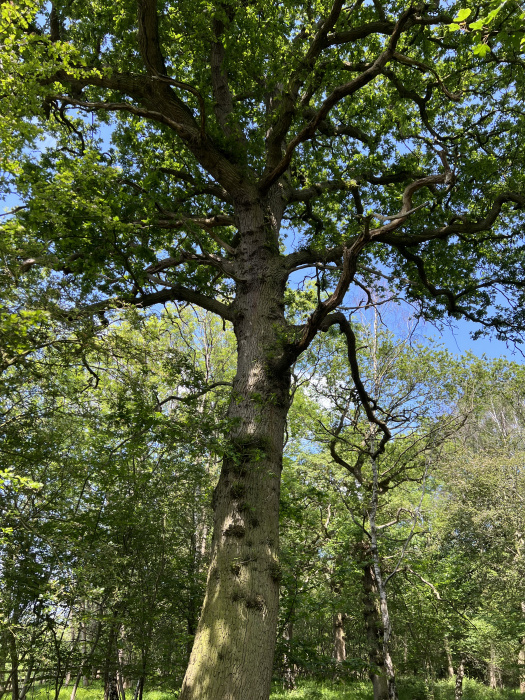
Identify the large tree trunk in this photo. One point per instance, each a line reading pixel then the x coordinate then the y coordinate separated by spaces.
pixel 234 644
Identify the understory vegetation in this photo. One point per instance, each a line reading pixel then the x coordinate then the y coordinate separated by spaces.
pixel 409 689
pixel 107 504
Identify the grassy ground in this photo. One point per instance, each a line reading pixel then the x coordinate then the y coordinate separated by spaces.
pixel 409 689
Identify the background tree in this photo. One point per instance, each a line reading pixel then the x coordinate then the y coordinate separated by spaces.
pixel 103 564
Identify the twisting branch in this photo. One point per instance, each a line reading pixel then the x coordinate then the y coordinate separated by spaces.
pixel 350 257
pixel 457 225
pixel 288 97
pixel 176 292
pixel 336 96
pixel 400 58
pixel 181 129
pixel 355 468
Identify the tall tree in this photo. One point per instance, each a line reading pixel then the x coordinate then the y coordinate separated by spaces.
pixel 381 132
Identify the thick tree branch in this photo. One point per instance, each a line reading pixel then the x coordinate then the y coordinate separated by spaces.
pixel 368 404
pixel 454 227
pixel 309 330
pixel 185 132
pixel 191 397
pixel 199 188
pixel 318 189
pixel 336 96
pixel 176 292
pixel 383 27
pixel 289 96
pixel 223 106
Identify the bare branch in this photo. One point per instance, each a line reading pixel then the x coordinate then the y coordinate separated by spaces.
pixel 192 397
pixel 314 323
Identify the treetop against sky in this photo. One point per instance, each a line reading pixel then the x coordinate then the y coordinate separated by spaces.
pixel 379 117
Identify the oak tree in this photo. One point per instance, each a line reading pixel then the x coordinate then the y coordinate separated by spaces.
pixel 207 154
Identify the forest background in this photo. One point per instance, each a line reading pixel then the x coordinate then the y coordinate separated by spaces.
pixel 223 462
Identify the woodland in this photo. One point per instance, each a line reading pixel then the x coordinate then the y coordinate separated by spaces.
pixel 232 466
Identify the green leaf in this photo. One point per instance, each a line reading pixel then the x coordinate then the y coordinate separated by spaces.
pixel 462 15
pixel 477 25
pixel 482 50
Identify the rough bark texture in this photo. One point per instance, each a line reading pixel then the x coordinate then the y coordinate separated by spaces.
pixel 233 651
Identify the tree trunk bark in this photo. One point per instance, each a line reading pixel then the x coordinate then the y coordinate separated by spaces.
pixel 521 657
pixel 15 693
pixel 289 671
pixel 381 588
pixel 232 655
pixel 458 693
pixel 450 665
pixel 521 664
pixel 339 637
pixel 493 670
pixel 374 629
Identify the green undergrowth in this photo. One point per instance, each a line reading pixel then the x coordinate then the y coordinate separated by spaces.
pixel 409 689
pixel 96 692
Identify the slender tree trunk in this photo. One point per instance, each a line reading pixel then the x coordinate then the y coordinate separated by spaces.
pixel 28 680
pixel 458 693
pixel 289 668
pixel 234 645
pixel 381 588
pixel 493 670
pixel 374 630
pixel 339 637
pixel 121 683
pixel 521 657
pixel 110 665
pixel 15 693
pixel 521 664
pixel 4 645
pixel 450 665
pixel 86 656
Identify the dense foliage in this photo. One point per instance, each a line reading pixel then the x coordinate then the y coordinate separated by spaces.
pixel 107 524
